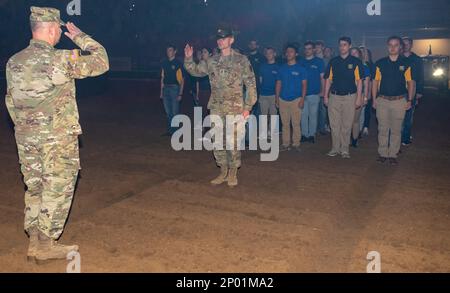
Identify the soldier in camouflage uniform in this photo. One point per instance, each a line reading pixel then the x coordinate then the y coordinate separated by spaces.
pixel 229 72
pixel 41 102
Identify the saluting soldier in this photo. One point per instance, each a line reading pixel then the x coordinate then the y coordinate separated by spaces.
pixel 229 72
pixel 41 102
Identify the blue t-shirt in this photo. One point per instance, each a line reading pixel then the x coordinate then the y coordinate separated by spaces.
pixel 367 72
pixel 268 73
pixel 291 77
pixel 314 67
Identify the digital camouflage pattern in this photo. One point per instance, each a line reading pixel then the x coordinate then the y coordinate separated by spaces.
pixel 228 76
pixel 41 102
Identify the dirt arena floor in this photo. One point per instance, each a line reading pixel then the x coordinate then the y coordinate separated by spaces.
pixel 142 207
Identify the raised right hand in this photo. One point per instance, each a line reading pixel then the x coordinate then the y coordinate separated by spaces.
pixel 73 31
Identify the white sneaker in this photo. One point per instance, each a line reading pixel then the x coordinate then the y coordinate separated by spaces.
pixel 345 155
pixel 333 154
pixel 366 131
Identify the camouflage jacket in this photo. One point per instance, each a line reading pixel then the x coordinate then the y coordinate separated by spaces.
pixel 41 85
pixel 228 76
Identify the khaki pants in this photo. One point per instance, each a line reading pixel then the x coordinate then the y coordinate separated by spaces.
pixel 390 116
pixel 341 110
pixel 357 123
pixel 291 113
pixel 268 106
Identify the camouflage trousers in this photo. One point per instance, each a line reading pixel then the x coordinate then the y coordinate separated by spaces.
pixel 230 156
pixel 50 169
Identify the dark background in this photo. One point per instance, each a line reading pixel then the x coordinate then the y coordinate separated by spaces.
pixel 139 29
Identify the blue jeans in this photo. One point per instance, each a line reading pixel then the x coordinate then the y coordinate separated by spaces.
pixel 408 124
pixel 322 116
pixel 171 104
pixel 368 114
pixel 310 115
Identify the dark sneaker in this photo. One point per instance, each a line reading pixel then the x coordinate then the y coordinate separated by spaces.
pixel 304 139
pixel 354 143
pixel 312 139
pixel 284 148
pixel 381 159
pixel 297 149
pixel 393 162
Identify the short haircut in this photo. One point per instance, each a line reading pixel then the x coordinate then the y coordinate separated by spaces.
pixel 36 25
pixel 271 48
pixel 319 43
pixel 291 46
pixel 310 43
pixel 345 39
pixel 392 38
pixel 408 39
pixel 171 46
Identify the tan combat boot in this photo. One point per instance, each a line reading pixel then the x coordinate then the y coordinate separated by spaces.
pixel 222 178
pixel 232 177
pixel 34 243
pixel 49 249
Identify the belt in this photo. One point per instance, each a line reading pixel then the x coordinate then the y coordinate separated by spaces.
pixel 392 98
pixel 343 93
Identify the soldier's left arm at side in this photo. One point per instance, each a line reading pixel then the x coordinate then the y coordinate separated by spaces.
pixel 8 98
pixel 249 79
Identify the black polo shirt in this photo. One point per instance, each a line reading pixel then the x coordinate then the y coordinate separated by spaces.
pixel 344 73
pixel 173 72
pixel 418 71
pixel 393 76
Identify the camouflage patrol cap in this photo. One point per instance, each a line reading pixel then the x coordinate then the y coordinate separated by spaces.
pixel 45 14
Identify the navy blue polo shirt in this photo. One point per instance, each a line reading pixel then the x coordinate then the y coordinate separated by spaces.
pixel 344 73
pixel 173 72
pixel 393 76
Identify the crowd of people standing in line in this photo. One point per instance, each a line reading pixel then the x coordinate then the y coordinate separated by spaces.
pixel 317 93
